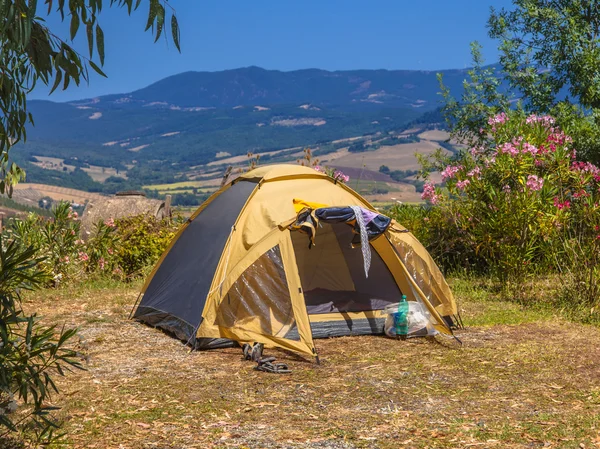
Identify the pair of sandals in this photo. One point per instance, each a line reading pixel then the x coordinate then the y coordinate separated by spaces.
pixel 266 364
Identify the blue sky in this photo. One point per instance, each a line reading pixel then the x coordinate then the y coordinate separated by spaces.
pixel 286 35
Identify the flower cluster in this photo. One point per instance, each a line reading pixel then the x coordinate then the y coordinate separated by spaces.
pixel 450 172
pixel 429 193
pixel 333 173
pixel 545 120
pixel 534 183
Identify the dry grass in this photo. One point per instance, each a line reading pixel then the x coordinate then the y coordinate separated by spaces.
pixel 532 383
pixel 396 157
pixel 185 184
pixel 56 193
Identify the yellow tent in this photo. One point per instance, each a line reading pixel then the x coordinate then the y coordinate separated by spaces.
pixel 239 271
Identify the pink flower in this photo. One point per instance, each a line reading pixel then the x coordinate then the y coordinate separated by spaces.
pixel 561 205
pixel 65 259
pixel 450 171
pixel 498 119
pixel 72 232
pixel 475 172
pixel 110 251
pixel 506 189
pixel 462 184
pixel 545 120
pixel 110 223
pixel 429 193
pixel 75 215
pixel 83 257
pixel 534 183
pixel 529 148
pixel 101 263
pixel 509 148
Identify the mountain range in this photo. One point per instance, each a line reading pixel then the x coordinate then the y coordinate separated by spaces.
pixel 194 118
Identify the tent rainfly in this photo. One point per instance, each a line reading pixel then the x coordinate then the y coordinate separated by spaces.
pixel 277 256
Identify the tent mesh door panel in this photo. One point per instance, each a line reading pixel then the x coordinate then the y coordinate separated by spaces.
pixel 259 301
pixel 333 293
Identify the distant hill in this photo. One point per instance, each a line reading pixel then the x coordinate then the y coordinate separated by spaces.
pixel 252 86
pixel 157 133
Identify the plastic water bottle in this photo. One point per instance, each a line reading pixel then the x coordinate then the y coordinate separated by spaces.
pixel 402 319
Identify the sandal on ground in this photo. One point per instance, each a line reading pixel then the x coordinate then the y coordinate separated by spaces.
pixel 266 364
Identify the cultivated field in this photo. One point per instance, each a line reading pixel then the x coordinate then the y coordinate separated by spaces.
pixel 185 185
pixel 97 173
pixel 396 157
pixel 30 193
pixel 520 379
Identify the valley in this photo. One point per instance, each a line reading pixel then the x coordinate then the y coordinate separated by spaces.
pixel 179 135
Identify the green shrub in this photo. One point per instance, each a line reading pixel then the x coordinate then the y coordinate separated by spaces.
pixel 147 238
pixel 56 239
pixel 519 206
pixel 30 356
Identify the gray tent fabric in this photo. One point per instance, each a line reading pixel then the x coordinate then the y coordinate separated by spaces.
pixel 175 298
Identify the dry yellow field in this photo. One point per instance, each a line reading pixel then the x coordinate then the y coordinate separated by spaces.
pixel 184 185
pixel 59 193
pixel 435 134
pixel 396 157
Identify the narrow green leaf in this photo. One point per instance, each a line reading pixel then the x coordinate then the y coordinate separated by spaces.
pixel 74 24
pixel 97 69
pixel 66 83
pixel 175 32
pixel 100 43
pixel 160 21
pixel 152 14
pixel 90 37
pixel 56 81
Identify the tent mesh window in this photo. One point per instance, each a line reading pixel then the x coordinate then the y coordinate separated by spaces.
pixel 333 277
pixel 259 301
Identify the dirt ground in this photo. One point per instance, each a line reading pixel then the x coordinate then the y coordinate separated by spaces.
pixel 532 383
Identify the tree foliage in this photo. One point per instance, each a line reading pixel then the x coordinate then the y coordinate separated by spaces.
pixel 550 54
pixel 30 53
pixel 548 46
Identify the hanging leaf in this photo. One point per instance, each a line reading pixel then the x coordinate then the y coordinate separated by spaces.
pixel 100 43
pixel 152 14
pixel 90 37
pixel 175 32
pixel 160 21
pixel 56 81
pixel 97 69
pixel 74 24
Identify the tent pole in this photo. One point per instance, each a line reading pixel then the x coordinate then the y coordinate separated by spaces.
pixel 137 301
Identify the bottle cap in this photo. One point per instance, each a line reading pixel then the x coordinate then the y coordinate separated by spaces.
pixel 403 296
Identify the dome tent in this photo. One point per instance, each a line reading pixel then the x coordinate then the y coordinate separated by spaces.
pixel 242 269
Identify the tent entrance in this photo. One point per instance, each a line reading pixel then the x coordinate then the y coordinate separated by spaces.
pixel 333 277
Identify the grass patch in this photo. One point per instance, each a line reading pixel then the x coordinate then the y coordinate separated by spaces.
pixel 522 378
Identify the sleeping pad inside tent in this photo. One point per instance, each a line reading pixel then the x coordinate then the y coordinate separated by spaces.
pixel 283 255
